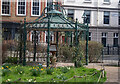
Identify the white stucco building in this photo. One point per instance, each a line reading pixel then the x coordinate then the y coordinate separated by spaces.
pixel 104 18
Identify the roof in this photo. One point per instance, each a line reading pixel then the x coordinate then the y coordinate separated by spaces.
pixel 58 22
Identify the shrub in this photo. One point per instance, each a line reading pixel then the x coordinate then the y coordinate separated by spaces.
pixel 67 52
pixel 12 60
pixel 94 50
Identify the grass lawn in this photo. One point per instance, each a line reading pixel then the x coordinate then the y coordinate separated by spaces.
pixel 17 73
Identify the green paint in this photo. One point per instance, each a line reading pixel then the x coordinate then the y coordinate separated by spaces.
pixel 76 41
pixel 48 60
pixel 87 37
pixel 57 43
pixel 25 37
pixel 34 46
pixel 20 54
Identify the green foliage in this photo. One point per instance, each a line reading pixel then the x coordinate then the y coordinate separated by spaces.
pixel 67 52
pixel 62 77
pixel 49 70
pixel 19 69
pixel 5 72
pixel 65 69
pixel 12 60
pixel 56 76
pixel 35 72
pixel 6 65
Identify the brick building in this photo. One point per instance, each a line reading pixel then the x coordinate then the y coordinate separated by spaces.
pixel 12 12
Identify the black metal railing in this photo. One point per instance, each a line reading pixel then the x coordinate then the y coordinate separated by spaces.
pixel 111 50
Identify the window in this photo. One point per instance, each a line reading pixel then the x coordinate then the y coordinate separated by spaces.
pixel 71 14
pixel 5 7
pixel 89 36
pixel 106 17
pixel 35 8
pixel 21 7
pixel 87 13
pixel 104 36
pixel 107 1
pixel 87 1
pixel 115 40
pixel 119 18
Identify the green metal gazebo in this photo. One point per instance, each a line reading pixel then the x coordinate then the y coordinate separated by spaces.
pixel 54 19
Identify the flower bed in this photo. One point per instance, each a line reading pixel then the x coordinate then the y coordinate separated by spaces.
pixel 18 73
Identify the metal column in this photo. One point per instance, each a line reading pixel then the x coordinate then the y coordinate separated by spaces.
pixel 34 45
pixel 48 59
pixel 25 37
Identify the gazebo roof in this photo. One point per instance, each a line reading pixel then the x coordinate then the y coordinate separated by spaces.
pixel 58 21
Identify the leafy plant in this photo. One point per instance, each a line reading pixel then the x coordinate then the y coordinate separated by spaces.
pixel 35 71
pixel 12 60
pixel 64 69
pixel 19 69
pixel 61 77
pixel 49 70
pixel 6 65
pixel 5 72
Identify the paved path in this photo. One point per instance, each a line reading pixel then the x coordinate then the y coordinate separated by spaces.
pixel 113 73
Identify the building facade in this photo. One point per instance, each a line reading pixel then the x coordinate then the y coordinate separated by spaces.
pixel 13 12
pixel 103 18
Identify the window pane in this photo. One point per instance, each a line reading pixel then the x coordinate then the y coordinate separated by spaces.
pixel 5 6
pixel 104 42
pixel 21 6
pixel 87 13
pixel 71 14
pixel 35 7
pixel 106 17
pixel 115 42
pixel 106 0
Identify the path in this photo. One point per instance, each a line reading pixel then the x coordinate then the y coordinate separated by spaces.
pixel 113 73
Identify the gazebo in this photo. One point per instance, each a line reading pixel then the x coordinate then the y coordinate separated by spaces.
pixel 53 18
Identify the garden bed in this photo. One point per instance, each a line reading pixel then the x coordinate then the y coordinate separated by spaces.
pixel 17 73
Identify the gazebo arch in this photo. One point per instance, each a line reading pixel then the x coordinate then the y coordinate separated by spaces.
pixel 53 18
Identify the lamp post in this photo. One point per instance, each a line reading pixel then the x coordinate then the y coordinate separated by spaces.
pixel 87 32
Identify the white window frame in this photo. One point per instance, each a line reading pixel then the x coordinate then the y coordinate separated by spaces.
pixel 116 35
pixel 104 36
pixel 39 8
pixel 106 2
pixel 87 1
pixel 17 10
pixel 9 9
